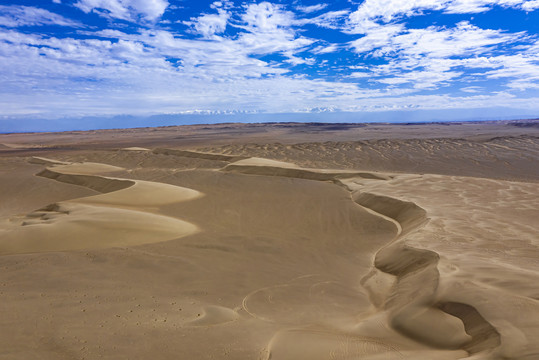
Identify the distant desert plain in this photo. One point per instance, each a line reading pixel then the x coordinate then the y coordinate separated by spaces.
pixel 281 241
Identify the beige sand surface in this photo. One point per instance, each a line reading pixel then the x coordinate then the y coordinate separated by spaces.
pixel 269 242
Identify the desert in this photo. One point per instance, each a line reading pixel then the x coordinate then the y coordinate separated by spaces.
pixel 282 241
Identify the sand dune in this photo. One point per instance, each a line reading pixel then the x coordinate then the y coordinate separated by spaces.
pixel 271 250
pixel 502 157
pixel 411 303
pixel 109 220
pixel 198 155
pixel 135 148
pixel 259 166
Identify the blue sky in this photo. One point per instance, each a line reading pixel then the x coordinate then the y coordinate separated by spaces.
pixel 74 59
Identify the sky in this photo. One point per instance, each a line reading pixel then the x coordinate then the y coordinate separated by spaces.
pixel 66 62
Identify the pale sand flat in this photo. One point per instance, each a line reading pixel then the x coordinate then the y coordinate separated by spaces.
pixel 86 168
pixel 135 148
pixel 255 161
pixel 45 161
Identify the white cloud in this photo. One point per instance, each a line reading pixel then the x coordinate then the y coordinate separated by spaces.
pixel 390 10
pixel 422 80
pixel 15 16
pixel 472 89
pixel 210 24
pixel 312 8
pixel 521 71
pixel 131 10
pixel 469 6
pixel 478 6
pixel 133 73
pixel 142 69
pixel 433 57
pixel 329 20
pixel 359 75
pixel 267 17
pixel 226 4
pixel 378 36
pixel 530 5
pixel 268 29
pixel 463 40
pixel 523 84
pixel 326 49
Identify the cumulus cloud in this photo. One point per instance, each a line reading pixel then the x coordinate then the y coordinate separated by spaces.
pixel 530 5
pixel 130 10
pixel 267 17
pixel 208 25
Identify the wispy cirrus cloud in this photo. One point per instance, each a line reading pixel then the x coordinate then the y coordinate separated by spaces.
pixel 385 11
pixel 462 40
pixel 130 10
pixel 312 8
pixel 329 20
pixel 18 15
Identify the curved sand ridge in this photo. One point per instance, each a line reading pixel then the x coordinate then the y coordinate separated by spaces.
pixel 409 302
pixel 198 155
pixel 412 304
pixel 260 166
pixel 125 214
